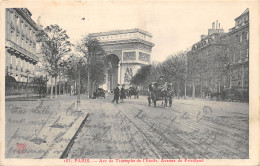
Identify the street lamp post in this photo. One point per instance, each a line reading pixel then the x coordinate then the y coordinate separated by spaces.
pixel 78 98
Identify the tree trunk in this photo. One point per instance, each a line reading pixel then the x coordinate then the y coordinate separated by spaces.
pixel 95 86
pixel 63 91
pixel 218 86
pixel 185 90
pixel 88 92
pixel 92 85
pixel 46 88
pixel 242 79
pixel 230 79
pixel 59 86
pixel 193 89
pixel 51 87
pixel 178 93
pixel 200 89
pixel 86 88
pixel 55 86
pixel 78 87
pixel 75 88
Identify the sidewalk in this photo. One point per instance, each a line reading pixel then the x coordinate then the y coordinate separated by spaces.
pixel 20 96
pixel 31 97
pixel 42 128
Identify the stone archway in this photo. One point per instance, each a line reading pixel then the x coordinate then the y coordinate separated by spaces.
pixel 112 74
pixel 127 50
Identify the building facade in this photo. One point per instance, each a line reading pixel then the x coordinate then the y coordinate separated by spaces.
pixel 128 51
pixel 220 61
pixel 204 66
pixel 238 52
pixel 20 44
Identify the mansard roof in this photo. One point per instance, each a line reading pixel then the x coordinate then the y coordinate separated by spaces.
pixel 244 13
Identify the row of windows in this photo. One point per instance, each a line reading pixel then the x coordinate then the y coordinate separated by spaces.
pixel 23 42
pixel 235 57
pixel 241 37
pixel 232 81
pixel 21 27
pixel 25 65
pixel 240 73
pixel 243 19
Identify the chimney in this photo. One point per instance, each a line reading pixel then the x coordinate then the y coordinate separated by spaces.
pixel 217 24
pixel 213 25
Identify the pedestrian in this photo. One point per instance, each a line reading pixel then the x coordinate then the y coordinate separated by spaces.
pixel 122 94
pixel 136 90
pixel 116 94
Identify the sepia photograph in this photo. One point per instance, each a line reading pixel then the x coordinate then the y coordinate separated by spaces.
pixel 129 82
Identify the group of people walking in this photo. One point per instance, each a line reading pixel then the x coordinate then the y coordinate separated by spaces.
pixel 119 93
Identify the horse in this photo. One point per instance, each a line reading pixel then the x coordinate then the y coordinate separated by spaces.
pixel 169 93
pixel 156 93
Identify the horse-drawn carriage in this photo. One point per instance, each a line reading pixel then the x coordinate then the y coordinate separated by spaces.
pixel 158 92
pixel 132 91
pixel 99 92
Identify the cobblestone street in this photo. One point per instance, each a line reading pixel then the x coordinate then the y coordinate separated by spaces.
pixel 130 129
pixel 190 129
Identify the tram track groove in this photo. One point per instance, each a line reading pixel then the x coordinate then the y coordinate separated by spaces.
pixel 185 140
pixel 144 134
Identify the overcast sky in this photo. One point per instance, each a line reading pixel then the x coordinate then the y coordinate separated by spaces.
pixel 175 26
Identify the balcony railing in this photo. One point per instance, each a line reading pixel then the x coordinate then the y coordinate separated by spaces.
pixel 21 50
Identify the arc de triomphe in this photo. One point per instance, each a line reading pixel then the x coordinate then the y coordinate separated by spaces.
pixel 127 50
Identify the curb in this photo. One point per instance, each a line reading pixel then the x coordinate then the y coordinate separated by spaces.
pixel 69 146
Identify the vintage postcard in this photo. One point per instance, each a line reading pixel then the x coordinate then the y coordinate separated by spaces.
pixel 129 82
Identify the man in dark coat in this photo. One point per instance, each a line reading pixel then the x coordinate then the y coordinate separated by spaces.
pixel 160 81
pixel 116 94
pixel 122 95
